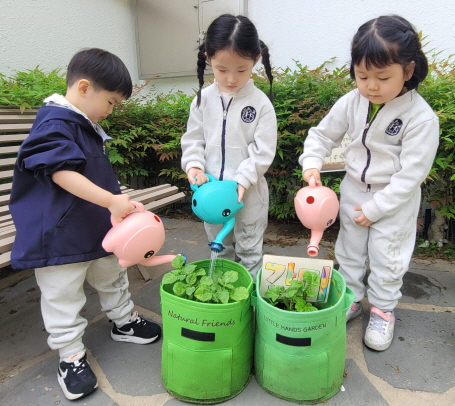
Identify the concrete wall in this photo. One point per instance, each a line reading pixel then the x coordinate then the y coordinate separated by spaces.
pixel 48 32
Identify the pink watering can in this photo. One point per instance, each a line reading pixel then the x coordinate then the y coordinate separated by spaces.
pixel 317 208
pixel 137 239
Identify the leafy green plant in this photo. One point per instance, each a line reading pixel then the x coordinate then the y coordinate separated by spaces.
pixel 147 129
pixel 29 88
pixel 437 90
pixel 192 283
pixel 294 298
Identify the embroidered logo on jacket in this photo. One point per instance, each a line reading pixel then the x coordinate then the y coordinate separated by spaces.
pixel 394 127
pixel 248 114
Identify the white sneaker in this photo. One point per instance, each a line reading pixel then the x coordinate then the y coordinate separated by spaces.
pixel 354 310
pixel 379 333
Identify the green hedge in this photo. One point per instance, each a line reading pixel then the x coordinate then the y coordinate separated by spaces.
pixel 147 129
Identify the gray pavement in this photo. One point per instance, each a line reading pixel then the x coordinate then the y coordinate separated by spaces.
pixel 417 370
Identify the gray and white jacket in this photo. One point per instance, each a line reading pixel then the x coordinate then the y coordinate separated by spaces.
pixel 232 142
pixel 390 155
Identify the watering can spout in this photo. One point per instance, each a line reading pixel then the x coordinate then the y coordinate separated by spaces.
pixel 313 246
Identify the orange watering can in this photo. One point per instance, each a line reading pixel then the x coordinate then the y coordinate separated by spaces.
pixel 137 239
pixel 317 208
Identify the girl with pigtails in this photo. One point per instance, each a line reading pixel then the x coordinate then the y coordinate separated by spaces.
pixel 232 132
pixel 395 137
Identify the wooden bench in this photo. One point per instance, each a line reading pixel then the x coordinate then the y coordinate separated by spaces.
pixel 14 128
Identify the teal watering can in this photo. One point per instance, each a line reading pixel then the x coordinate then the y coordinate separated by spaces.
pixel 216 202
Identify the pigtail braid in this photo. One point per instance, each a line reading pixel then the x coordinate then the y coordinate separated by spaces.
pixel 201 64
pixel 266 62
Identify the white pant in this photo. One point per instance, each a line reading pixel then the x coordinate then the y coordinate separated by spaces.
pixel 248 234
pixel 387 244
pixel 63 297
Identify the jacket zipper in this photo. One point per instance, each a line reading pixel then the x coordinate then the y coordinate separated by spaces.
pixel 364 136
pixel 223 137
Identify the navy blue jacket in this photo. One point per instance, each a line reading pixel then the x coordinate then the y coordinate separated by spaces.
pixel 54 227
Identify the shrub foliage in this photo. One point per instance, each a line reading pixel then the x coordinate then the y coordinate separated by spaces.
pixel 146 130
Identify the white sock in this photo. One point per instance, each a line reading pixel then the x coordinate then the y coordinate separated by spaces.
pixel 74 357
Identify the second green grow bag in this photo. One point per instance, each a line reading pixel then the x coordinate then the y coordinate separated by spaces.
pixel 207 351
pixel 300 357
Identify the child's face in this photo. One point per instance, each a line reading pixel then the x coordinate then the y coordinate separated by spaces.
pixel 231 71
pixel 380 85
pixel 98 104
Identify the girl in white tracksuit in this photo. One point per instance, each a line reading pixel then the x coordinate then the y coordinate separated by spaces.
pixel 395 136
pixel 232 132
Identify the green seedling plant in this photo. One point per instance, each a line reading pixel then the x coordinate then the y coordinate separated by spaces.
pixel 294 298
pixel 192 283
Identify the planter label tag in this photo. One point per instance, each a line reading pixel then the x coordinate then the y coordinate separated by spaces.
pixel 201 322
pixel 293 329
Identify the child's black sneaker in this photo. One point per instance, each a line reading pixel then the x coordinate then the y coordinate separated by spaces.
pixel 76 377
pixel 137 330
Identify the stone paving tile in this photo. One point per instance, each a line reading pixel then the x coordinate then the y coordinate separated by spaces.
pixel 413 372
pixel 38 386
pixel 129 368
pixel 149 296
pixel 416 359
pixel 429 284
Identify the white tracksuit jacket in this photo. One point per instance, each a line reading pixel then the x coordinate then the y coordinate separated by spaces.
pixel 235 142
pixel 386 162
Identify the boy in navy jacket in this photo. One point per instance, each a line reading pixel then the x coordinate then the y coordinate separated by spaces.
pixel 64 192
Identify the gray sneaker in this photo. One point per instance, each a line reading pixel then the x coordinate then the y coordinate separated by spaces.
pixel 354 310
pixel 379 333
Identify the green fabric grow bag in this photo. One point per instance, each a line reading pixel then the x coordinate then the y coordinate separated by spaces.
pixel 207 351
pixel 300 357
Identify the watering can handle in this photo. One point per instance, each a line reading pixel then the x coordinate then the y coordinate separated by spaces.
pixel 139 207
pixel 195 187
pixel 312 182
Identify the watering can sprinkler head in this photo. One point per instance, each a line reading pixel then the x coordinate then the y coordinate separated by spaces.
pixel 317 208
pixel 216 246
pixel 216 202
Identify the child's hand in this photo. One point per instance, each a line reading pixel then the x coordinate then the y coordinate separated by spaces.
pixel 120 206
pixel 241 192
pixel 312 172
pixel 195 175
pixel 362 220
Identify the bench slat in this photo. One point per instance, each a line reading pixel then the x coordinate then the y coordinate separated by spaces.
pixel 14 110
pixel 4 199
pixel 4 138
pixel 4 128
pixel 9 150
pixel 155 195
pixel 6 174
pixel 5 187
pixel 163 202
pixel 5 259
pixel 7 161
pixel 16 118
pixel 6 243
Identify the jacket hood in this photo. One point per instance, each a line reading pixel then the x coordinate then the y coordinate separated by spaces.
pixel 55 112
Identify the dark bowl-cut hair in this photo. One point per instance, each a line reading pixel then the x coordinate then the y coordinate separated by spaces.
pixel 386 40
pixel 105 70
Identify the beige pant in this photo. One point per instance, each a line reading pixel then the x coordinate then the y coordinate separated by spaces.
pixel 244 243
pixel 63 297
